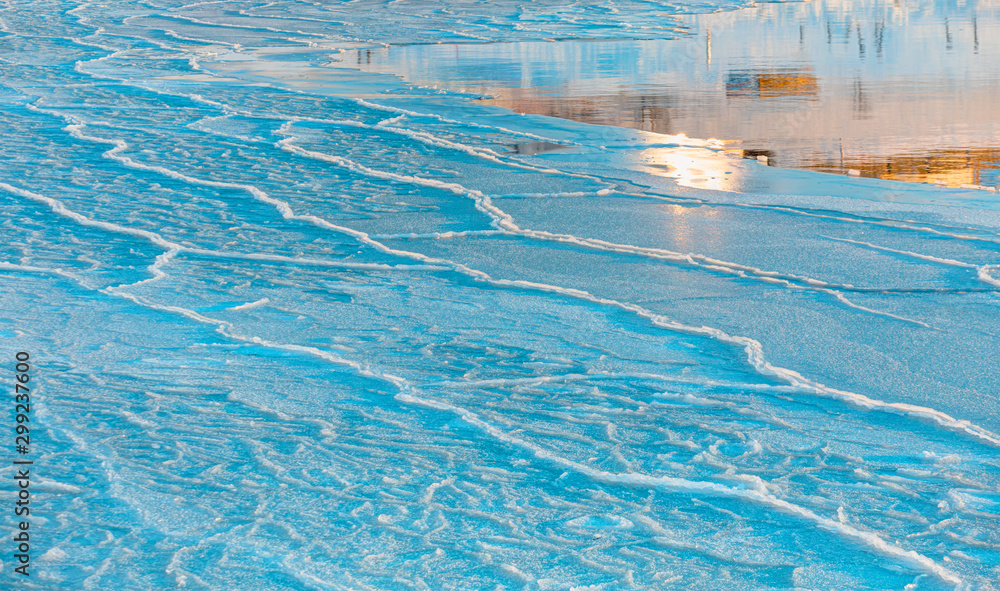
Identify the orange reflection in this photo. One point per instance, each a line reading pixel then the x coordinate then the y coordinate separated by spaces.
pixel 704 167
pixel 796 84
pixel 952 167
pixel 648 112
pixel 772 84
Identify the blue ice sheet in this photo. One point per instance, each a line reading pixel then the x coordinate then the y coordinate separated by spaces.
pixel 303 327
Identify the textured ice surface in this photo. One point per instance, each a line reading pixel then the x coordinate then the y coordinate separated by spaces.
pixel 290 338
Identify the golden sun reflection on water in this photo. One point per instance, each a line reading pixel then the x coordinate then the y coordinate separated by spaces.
pixel 693 166
pixel 952 167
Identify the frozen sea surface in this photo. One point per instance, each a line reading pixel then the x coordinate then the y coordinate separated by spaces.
pixel 298 326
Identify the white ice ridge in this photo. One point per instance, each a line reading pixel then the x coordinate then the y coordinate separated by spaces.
pixel 400 111
pixel 361 102
pixel 503 221
pixel 753 348
pixel 602 375
pixel 438 235
pixel 250 305
pixel 986 274
pixel 172 249
pixel 432 140
pixel 889 223
pixel 916 255
pixel 192 19
pixel 983 272
pixel 3 24
pixel 755 490
pixel 33 269
pixel 171 33
pixel 423 137
pixel 755 356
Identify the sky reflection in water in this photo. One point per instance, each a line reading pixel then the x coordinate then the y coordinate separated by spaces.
pixel 904 90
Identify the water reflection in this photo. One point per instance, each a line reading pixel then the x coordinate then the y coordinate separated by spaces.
pixel 762 84
pixel 902 90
